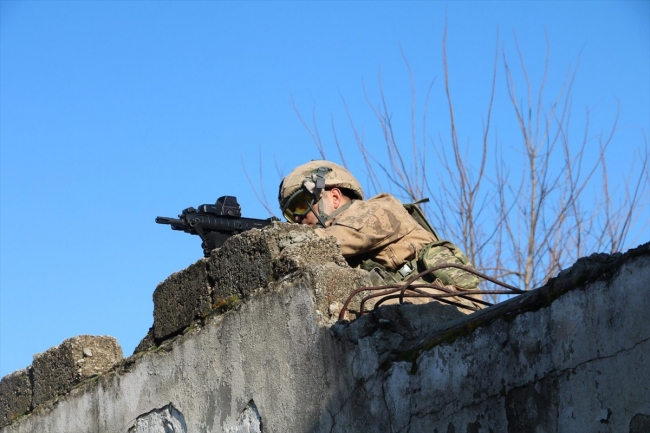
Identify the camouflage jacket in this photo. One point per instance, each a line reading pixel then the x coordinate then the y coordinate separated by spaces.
pixel 379 229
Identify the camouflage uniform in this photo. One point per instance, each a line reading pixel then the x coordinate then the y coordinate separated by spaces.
pixel 379 226
pixel 381 232
pixel 377 235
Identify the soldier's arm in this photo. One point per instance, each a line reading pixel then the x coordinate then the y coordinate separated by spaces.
pixel 371 228
pixel 353 241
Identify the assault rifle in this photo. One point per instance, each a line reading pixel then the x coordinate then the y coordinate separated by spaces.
pixel 214 223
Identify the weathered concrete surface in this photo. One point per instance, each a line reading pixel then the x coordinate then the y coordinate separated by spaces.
pixel 579 364
pixel 164 420
pixel 331 285
pixel 58 369
pixel 249 262
pixel 570 357
pixel 181 298
pixel 257 257
pixel 15 395
pixel 270 351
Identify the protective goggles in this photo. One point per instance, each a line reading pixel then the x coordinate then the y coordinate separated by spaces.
pixel 298 205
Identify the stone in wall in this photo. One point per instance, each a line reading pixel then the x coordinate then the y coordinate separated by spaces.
pixel 255 258
pixel 332 284
pixel 640 423
pixel 164 420
pixel 57 370
pixel 147 342
pixel 15 395
pixel 249 421
pixel 245 263
pixel 181 298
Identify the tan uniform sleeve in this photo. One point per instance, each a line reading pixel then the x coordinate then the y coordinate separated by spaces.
pixel 380 225
pixel 353 241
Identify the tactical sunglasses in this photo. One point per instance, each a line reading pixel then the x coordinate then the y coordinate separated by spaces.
pixel 298 205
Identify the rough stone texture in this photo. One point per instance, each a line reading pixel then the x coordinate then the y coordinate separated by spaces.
pixel 57 370
pixel 249 421
pixel 146 343
pixel 569 357
pixel 256 258
pixel 245 263
pixel 165 420
pixel 180 299
pixel 394 328
pixel 15 395
pixel 332 284
pixel 564 360
pixel 270 350
pixel 640 423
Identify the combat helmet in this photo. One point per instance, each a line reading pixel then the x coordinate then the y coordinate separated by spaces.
pixel 309 180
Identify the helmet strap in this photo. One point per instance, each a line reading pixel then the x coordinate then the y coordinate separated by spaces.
pixel 321 217
pixel 318 176
pixel 315 186
pixel 339 210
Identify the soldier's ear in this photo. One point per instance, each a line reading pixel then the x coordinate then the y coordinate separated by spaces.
pixel 337 197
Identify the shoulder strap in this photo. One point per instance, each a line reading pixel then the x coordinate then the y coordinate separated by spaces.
pixel 416 213
pixel 340 209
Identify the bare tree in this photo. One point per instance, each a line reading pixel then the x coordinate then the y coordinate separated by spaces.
pixel 523 225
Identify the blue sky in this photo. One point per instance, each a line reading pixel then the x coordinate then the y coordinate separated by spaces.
pixel 112 113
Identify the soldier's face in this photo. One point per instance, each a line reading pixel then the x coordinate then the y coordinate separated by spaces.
pixel 330 200
pixel 308 219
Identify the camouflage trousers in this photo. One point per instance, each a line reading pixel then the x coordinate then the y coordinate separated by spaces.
pixel 435 254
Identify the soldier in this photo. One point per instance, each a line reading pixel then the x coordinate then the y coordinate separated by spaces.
pixel 377 234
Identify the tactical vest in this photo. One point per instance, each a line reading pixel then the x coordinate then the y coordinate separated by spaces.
pixel 434 254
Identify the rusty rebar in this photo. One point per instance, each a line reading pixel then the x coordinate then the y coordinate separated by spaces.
pixel 415 291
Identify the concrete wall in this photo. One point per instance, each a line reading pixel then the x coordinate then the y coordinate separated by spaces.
pixel 262 355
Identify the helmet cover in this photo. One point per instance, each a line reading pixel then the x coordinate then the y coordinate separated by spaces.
pixel 309 175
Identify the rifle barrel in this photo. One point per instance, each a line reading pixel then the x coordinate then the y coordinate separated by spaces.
pixel 167 220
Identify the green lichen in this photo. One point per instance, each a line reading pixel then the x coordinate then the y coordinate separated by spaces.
pixel 222 305
pixel 16 417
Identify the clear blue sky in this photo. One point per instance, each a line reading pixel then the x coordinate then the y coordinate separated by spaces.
pixel 112 113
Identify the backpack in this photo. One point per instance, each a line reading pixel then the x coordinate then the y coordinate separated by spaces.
pixel 416 213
